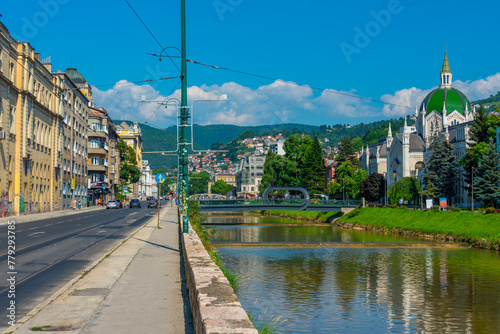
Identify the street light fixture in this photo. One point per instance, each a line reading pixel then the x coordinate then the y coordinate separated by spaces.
pixel 419 166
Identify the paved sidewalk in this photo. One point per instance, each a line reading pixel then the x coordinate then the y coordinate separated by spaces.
pixel 37 216
pixel 136 289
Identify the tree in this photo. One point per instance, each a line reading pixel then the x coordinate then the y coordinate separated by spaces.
pixel 349 178
pixel 314 169
pixel 346 151
pixel 442 168
pixel 269 174
pixel 479 131
pixel 373 187
pixel 199 183
pixel 487 177
pixel 408 188
pixel 129 173
pixel 159 170
pixel 221 187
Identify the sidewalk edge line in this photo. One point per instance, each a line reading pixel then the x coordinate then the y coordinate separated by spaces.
pixel 68 285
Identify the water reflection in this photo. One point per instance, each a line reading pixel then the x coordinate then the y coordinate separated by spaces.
pixel 377 290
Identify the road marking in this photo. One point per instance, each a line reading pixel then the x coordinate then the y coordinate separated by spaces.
pixel 29 235
pixel 48 224
pixel 34 228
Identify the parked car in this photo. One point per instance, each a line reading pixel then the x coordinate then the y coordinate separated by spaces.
pixel 134 203
pixel 120 203
pixel 112 205
pixel 152 202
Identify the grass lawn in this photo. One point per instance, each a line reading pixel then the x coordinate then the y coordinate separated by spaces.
pixel 317 216
pixel 467 226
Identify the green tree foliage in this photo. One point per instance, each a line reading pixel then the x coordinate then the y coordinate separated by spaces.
pixel 129 172
pixel 221 187
pixel 346 151
pixel 313 169
pixel 442 168
pixel 269 176
pixel 373 187
pixel 408 188
pixel 483 130
pixel 348 178
pixel 487 177
pixel 199 183
pixel 159 170
pixel 245 134
pixel 479 131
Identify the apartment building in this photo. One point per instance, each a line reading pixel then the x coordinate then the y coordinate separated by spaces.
pixel 74 106
pixel 31 127
pixel 249 175
pixel 103 155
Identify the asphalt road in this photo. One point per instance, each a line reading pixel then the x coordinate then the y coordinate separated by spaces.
pixel 51 252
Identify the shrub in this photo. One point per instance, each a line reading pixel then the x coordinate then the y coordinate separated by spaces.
pixel 489 210
pixel 435 208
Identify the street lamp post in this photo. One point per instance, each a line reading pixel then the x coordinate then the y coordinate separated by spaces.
pixel 420 167
pixel 472 190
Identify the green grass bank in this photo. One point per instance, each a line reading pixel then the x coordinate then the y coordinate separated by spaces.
pixel 479 229
pixel 311 216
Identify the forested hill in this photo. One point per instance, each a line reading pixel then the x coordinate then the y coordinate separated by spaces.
pixel 492 101
pixel 206 135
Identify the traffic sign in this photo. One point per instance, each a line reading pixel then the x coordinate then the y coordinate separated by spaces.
pixel 103 187
pixel 160 178
pixel 72 184
pixel 125 188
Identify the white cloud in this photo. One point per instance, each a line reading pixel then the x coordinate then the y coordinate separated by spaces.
pixel 403 102
pixel 278 102
pixel 412 97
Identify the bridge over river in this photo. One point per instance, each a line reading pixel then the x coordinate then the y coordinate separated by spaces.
pixel 304 203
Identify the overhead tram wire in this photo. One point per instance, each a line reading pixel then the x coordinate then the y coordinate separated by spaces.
pixel 159 104
pixel 150 32
pixel 299 85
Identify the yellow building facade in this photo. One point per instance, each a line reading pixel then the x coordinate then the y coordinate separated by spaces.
pixel 30 130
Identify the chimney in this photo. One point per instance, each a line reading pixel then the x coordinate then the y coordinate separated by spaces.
pixel 48 66
pixel 37 56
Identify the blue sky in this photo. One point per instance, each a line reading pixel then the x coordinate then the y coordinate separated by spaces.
pixel 384 50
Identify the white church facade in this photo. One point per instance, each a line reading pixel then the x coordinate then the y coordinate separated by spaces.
pixel 444 112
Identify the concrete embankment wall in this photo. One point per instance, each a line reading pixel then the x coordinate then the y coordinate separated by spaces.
pixel 214 305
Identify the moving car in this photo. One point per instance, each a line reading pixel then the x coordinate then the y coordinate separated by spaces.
pixel 112 205
pixel 134 203
pixel 152 202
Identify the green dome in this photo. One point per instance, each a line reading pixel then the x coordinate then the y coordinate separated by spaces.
pixel 75 76
pixel 455 100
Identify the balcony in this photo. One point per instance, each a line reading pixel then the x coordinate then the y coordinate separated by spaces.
pixel 99 134
pixel 92 150
pixel 96 168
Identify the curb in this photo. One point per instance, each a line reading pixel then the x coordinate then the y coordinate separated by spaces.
pixel 52 214
pixel 68 285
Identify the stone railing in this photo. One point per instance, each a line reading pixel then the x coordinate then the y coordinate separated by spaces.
pixel 214 305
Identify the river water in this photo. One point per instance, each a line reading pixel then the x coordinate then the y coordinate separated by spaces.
pixel 359 290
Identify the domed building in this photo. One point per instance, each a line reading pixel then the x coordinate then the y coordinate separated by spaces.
pixel 445 112
pixel 80 81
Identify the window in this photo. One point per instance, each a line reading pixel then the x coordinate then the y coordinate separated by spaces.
pixel 95 144
pixel 95 161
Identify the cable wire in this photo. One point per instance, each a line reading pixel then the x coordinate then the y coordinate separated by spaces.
pixel 159 104
pixel 297 84
pixel 144 24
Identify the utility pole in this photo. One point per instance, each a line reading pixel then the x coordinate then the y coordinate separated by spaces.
pixel 183 132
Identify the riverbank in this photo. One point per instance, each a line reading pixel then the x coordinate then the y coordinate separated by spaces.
pixel 314 216
pixel 478 229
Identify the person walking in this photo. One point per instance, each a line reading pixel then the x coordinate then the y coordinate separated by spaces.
pixel 74 204
pixel 79 204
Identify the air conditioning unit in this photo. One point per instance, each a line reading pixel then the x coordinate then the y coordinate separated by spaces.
pixel 2 134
